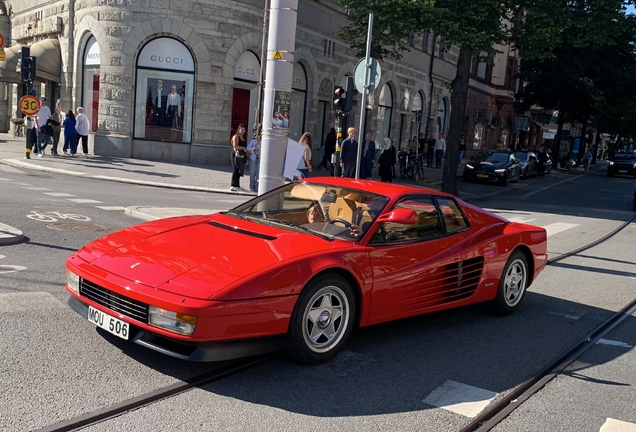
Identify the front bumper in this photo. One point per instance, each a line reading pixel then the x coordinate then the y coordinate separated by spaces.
pixel 194 351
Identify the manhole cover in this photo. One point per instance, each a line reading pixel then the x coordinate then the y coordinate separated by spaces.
pixel 66 226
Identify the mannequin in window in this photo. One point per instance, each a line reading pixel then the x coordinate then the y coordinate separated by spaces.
pixel 160 102
pixel 174 108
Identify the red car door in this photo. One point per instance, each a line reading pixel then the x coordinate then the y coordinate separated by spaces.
pixel 419 267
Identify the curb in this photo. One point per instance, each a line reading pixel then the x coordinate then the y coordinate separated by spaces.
pixel 9 234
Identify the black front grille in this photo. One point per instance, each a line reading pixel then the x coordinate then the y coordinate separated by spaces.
pixel 113 301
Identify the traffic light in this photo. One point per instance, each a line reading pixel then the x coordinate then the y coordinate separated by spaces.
pixel 350 93
pixel 338 98
pixel 28 69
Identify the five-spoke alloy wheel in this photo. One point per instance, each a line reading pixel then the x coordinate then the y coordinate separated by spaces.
pixel 513 284
pixel 322 320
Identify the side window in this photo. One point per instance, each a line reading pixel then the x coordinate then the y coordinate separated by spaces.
pixel 452 215
pixel 428 225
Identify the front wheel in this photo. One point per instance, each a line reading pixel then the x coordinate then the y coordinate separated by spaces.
pixel 512 285
pixel 322 320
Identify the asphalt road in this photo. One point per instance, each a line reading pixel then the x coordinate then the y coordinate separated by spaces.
pixel 54 365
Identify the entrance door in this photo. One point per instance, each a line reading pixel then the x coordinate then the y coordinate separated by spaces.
pixel 240 109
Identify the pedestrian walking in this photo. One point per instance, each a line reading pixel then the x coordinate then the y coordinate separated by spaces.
pixel 368 156
pixel 70 135
pixel 254 151
pixel 81 127
pixel 386 161
pixel 32 133
pixel 587 159
pixel 440 148
pixel 330 148
pixel 542 159
pixel 238 157
pixel 421 141
pixel 304 165
pixel 42 117
pixel 430 151
pixel 349 154
pixel 55 123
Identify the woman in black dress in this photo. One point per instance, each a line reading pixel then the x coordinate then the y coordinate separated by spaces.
pixel 386 161
pixel 238 157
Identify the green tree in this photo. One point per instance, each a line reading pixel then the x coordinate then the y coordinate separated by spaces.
pixel 476 26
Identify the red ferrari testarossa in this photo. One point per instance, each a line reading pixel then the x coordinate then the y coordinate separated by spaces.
pixel 298 268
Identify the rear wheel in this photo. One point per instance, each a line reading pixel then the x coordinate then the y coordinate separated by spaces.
pixel 322 320
pixel 512 285
pixel 504 180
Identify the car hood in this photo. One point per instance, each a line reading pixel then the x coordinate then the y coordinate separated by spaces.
pixel 209 254
pixel 491 166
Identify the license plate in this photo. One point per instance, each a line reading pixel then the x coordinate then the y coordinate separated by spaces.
pixel 109 323
pixel 482 175
pixel 622 171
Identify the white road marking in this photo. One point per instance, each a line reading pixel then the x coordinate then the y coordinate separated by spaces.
pixel 460 398
pixel 28 301
pixel 521 220
pixel 5 179
pixel 84 201
pixel 613 343
pixel 58 194
pixel 10 169
pixel 35 188
pixel 558 227
pixel 10 268
pixel 110 207
pixel 612 425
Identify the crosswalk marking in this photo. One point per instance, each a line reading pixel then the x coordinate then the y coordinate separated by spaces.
pixel 558 227
pixel 58 194
pixel 35 188
pixel 84 201
pixel 110 208
pixel 612 425
pixel 521 220
pixel 460 398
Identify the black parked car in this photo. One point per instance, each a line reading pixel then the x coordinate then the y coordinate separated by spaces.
pixel 623 164
pixel 528 161
pixel 499 167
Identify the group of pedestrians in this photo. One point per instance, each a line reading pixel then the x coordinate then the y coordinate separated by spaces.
pixel 244 153
pixel 47 126
pixel 386 157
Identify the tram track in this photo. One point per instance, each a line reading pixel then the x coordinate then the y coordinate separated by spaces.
pixel 485 421
pixel 494 415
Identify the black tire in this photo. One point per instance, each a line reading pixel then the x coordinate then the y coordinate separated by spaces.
pixel 610 174
pixel 512 285
pixel 313 317
pixel 504 181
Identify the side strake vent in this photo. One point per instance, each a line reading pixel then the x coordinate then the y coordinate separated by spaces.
pixel 445 284
pixel 242 231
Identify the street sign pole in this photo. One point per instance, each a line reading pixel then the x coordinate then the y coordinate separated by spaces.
pixel 365 90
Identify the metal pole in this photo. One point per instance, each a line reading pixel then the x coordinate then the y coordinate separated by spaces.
pixel 259 99
pixel 278 78
pixel 365 90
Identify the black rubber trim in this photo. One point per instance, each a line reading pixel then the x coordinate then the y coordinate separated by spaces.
pixel 242 231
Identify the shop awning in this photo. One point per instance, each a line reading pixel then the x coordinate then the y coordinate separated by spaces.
pixel 49 60
pixel 48 63
pixel 7 67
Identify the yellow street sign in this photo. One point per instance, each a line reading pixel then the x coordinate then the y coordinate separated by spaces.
pixel 3 56
pixel 277 55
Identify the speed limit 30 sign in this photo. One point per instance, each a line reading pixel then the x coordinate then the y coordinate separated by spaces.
pixel 29 105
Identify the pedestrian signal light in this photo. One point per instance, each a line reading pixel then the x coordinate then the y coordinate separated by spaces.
pixel 338 98
pixel 350 93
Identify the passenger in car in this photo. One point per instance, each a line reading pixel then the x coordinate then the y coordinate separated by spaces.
pixel 315 214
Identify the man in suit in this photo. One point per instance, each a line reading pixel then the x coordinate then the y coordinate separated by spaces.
pixel 159 104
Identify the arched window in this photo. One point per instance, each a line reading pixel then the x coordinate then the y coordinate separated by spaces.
pixel 90 91
pixel 442 112
pixel 417 114
pixel 165 85
pixel 385 108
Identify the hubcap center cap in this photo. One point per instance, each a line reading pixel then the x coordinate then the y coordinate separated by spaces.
pixel 324 319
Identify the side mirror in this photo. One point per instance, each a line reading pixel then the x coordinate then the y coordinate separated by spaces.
pixel 400 215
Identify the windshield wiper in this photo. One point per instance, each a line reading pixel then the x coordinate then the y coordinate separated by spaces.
pixel 237 213
pixel 295 225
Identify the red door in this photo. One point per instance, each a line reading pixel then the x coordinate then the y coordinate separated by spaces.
pixel 240 109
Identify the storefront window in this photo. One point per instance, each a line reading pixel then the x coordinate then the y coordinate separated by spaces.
pixel 479 135
pixel 441 116
pixel 416 114
pixel 90 95
pixel 164 93
pixel 385 104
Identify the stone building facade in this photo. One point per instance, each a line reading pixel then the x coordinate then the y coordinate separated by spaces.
pixel 171 80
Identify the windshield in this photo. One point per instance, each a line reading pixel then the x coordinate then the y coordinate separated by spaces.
pixel 521 156
pixel 499 157
pixel 624 156
pixel 325 210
